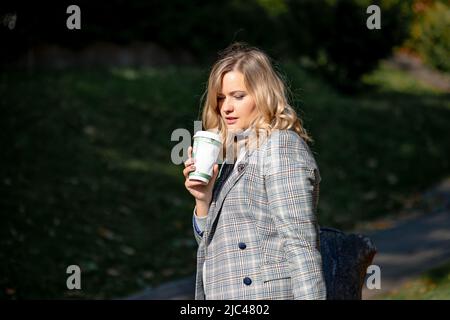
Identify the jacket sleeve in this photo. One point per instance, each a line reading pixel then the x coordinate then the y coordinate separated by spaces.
pixel 292 204
pixel 199 225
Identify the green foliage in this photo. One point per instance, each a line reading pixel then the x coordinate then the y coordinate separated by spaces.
pixel 273 7
pixel 430 36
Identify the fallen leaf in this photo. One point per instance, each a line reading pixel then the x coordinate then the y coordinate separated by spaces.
pixel 168 272
pixel 148 275
pixel 128 250
pixel 112 272
pixel 105 233
pixel 10 291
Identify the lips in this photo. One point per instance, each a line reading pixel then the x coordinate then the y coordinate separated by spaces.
pixel 230 120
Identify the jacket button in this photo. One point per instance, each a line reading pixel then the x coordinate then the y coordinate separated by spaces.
pixel 247 281
pixel 241 166
pixel 242 245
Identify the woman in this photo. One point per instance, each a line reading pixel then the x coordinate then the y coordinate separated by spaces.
pixel 256 227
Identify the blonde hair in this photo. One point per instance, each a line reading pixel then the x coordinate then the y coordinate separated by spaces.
pixel 265 85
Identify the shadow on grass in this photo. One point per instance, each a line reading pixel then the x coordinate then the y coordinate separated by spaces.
pixel 439 274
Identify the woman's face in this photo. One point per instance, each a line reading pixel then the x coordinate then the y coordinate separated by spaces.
pixel 237 107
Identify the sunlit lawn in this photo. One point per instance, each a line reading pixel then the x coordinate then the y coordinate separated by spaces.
pixel 87 179
pixel 432 285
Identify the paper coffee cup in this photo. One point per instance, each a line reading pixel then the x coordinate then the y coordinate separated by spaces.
pixel 207 146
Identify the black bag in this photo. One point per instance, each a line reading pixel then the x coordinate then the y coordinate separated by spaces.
pixel 345 259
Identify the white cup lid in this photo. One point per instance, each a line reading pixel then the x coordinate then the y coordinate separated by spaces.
pixel 207 134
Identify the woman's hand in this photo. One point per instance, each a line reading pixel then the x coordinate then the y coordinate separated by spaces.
pixel 201 191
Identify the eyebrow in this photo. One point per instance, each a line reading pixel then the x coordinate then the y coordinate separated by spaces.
pixel 233 92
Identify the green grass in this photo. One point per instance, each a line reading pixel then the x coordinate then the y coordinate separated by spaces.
pixel 432 285
pixel 86 176
pixel 388 79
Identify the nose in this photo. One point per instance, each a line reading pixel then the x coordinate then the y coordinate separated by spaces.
pixel 227 106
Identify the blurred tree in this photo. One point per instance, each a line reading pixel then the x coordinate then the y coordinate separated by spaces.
pixel 334 37
pixel 430 33
pixel 331 34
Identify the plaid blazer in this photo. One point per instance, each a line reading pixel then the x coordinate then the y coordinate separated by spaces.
pixel 261 239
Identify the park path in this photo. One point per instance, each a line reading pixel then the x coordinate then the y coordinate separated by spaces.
pixel 415 244
pixel 406 247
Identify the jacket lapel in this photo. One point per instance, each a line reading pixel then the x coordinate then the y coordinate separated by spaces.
pixel 216 206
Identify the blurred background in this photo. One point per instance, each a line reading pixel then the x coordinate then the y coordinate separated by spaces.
pixel 87 115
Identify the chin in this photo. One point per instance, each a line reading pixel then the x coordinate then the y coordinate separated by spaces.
pixel 234 128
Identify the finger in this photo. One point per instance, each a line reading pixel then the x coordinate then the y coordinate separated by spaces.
pixel 194 183
pixel 187 170
pixel 188 162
